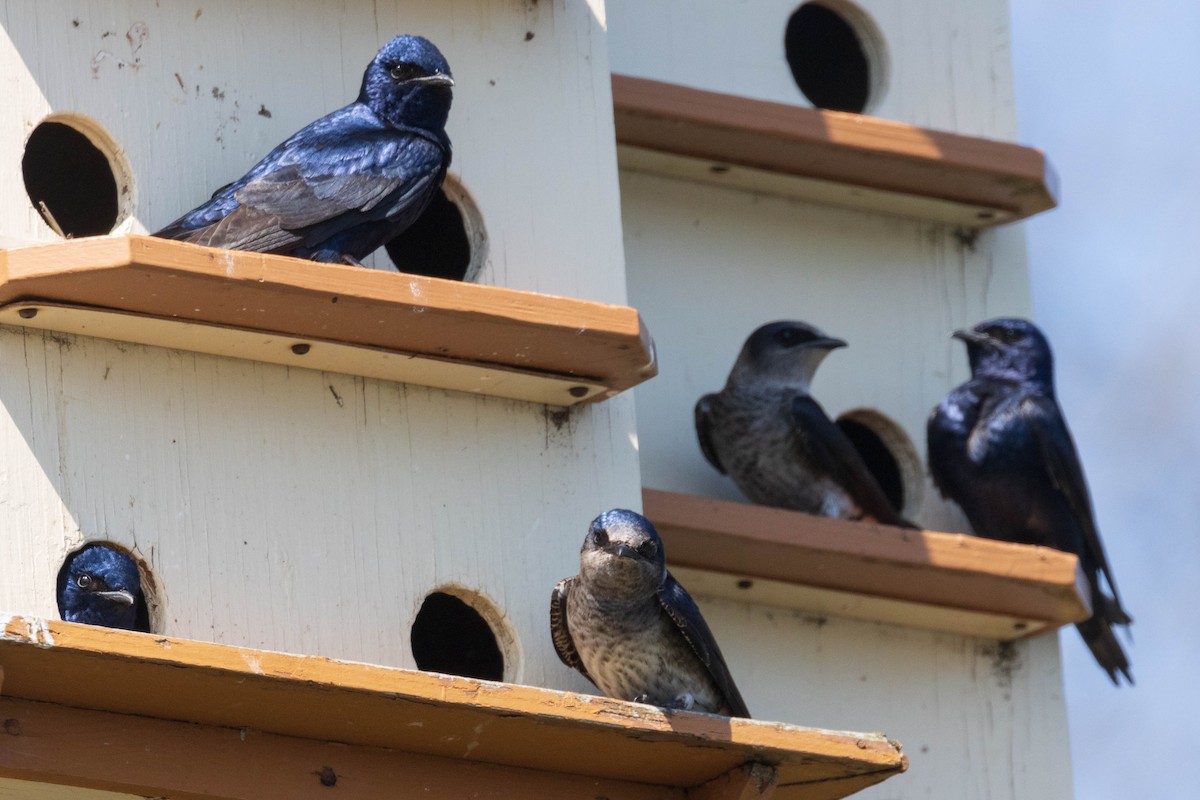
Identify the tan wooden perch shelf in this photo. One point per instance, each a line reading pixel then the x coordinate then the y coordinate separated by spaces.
pixel 409 328
pixel 152 715
pixel 830 157
pixel 939 581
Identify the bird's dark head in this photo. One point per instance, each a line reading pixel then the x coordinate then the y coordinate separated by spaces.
pixel 622 552
pixel 1009 347
pixel 785 353
pixel 408 85
pixel 99 585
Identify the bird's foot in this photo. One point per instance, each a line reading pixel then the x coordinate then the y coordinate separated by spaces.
pixel 684 702
pixel 642 698
pixel 350 261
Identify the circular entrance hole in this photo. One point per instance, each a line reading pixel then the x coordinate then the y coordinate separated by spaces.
pixel 836 54
pixel 889 455
pixel 446 241
pixel 460 632
pixel 148 601
pixel 76 177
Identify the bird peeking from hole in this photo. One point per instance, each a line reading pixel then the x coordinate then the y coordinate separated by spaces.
pixel 100 585
pixel 628 626
pixel 766 432
pixel 999 447
pixel 348 183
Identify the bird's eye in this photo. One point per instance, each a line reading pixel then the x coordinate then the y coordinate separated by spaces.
pixel 648 549
pixel 84 581
pixel 601 537
pixel 788 337
pixel 404 71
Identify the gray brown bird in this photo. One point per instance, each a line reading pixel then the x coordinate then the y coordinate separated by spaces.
pixel 766 432
pixel 628 626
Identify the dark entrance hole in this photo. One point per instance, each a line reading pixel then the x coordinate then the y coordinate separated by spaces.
pixel 880 461
pixel 437 244
pixel 95 580
pixel 449 636
pixel 70 181
pixel 828 60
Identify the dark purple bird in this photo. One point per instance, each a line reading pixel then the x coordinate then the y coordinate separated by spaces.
pixel 628 626
pixel 1000 448
pixel 345 185
pixel 100 585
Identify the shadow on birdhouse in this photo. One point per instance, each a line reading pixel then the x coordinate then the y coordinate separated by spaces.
pixel 448 239
pixel 837 55
pixel 76 177
pixel 460 632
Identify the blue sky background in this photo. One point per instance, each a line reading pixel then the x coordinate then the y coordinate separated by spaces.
pixel 1110 92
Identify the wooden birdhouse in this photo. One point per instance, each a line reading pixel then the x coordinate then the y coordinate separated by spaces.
pixel 350 491
pixel 852 165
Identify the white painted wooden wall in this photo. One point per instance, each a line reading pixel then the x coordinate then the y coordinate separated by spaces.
pixel 290 509
pixel 949 65
pixel 707 265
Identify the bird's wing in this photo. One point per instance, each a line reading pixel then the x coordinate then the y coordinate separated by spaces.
pixel 828 450
pixel 1044 419
pixel 340 171
pixel 683 612
pixel 704 430
pixel 560 631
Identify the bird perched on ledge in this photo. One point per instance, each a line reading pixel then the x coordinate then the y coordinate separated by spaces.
pixel 99 585
pixel 628 626
pixel 775 441
pixel 348 183
pixel 1000 448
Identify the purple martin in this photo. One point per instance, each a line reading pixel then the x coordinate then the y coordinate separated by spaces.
pixel 100 585
pixel 348 183
pixel 628 626
pixel 999 448
pixel 775 441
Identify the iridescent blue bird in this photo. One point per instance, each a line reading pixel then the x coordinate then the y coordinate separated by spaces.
pixel 1000 448
pixel 628 626
pixel 348 183
pixel 99 585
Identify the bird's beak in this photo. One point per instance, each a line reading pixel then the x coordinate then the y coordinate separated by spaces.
pixel 971 337
pixel 620 550
pixel 121 596
pixel 436 79
pixel 827 343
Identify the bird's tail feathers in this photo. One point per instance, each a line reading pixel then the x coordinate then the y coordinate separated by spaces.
pixel 1098 634
pixel 1114 613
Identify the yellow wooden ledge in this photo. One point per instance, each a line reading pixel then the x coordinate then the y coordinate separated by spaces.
pixel 830 157
pixel 107 709
pixel 480 339
pixel 924 579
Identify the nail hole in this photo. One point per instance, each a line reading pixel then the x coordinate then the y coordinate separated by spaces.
pixel 301 349
pixel 27 313
pixel 578 391
pixel 718 169
pixel 76 177
pixel 836 54
pixel 447 241
pixel 745 583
